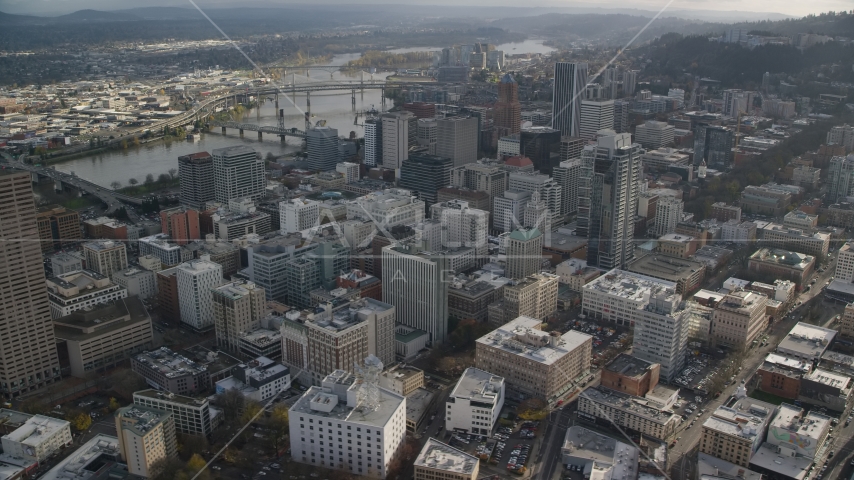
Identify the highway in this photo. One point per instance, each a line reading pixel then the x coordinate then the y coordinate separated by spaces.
pixel 111 199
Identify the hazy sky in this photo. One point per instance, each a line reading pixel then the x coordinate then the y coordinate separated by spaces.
pixel 789 7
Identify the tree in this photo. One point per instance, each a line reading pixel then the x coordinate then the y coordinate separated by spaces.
pixel 80 422
pixel 163 178
pixel 278 423
pixel 192 445
pixel 532 409
pixel 250 409
pixel 172 173
pixel 231 402
pixel 113 405
pixel 196 463
pixel 133 181
pixel 166 468
pixel 149 179
pixel 115 185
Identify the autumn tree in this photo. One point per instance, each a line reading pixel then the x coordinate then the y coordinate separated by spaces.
pixel 113 405
pixel 80 422
pixel 278 424
pixel 250 409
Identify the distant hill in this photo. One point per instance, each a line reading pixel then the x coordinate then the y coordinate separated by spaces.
pixel 12 19
pixel 95 16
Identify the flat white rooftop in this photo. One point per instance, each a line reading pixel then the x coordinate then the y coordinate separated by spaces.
pixel 36 430
pixel 440 456
pixel 807 340
pixel 630 286
pixel 74 466
pixel 522 338
pixel 479 386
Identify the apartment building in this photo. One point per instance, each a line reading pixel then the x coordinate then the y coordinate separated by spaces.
pixel 298 214
pixel 196 280
pixel 534 362
pixel 374 433
pixel 739 318
pixel 138 282
pixel 237 308
pixel 737 429
pixel 161 247
pixel 192 415
pixel 146 437
pixel 104 335
pixel 475 402
pixel 57 227
pixel 105 257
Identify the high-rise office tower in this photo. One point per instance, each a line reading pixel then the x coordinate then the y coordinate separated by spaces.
pixel 608 197
pixel 180 224
pixel 713 143
pixel 630 82
pixel 509 209
pixel 238 173
pixel 28 358
pixel 621 115
pixel 668 213
pixel 538 215
pixel 196 173
pixel 462 226
pixel 570 83
pixel 427 134
pixel 508 110
pixel 416 283
pixel 373 142
pixel 610 82
pixel 396 138
pixel 322 147
pixel 196 280
pixel 426 174
pixel 538 144
pixel 549 190
pixel 840 178
pixel 456 138
pixel 524 252
pixel 567 176
pixel 596 115
pixel 653 134
pixel 105 257
pixel 238 308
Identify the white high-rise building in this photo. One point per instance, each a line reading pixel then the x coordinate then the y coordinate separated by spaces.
pixel 396 138
pixel 570 81
pixel 390 207
pixel 350 171
pixel 298 214
pixel 196 279
pixel 238 173
pixel 595 115
pixel 415 282
pixel 668 212
pixel 509 210
pixel 475 402
pixel 427 134
pixel 661 332
pixel 549 190
pixel 348 413
pixel 653 134
pixel 373 142
pixel 841 135
pixel 462 226
pixel 457 139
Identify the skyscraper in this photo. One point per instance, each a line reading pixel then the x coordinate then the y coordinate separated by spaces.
pixel 462 226
pixel 508 111
pixel 196 279
pixel 196 173
pixel 238 308
pixel 456 138
pixel 238 173
pixel 28 358
pixel 395 138
pixel 414 282
pixel 426 174
pixel 596 115
pixel 570 83
pixel 322 148
pixel 373 142
pixel 567 176
pixel 621 115
pixel 713 143
pixel 630 82
pixel 524 252
pixel 608 196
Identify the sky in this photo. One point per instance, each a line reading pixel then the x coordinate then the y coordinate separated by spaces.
pixel 788 7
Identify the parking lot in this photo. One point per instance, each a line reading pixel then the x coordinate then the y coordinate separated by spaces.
pixel 508 450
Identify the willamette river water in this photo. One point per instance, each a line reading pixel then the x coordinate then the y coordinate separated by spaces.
pixel 334 107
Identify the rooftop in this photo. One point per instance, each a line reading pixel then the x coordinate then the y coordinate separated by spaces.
pixel 140 420
pixel 439 456
pixel 417 403
pixel 102 245
pixel 617 459
pixel 101 319
pixel 766 457
pixel 479 386
pixel 36 430
pixel 87 460
pixel 746 418
pixel 523 338
pixel 327 402
pixel 629 403
pixel 710 467
pixel 262 337
pixel 834 380
pixel 409 335
pixel 667 268
pixel 793 260
pixel 170 364
pixel 631 286
pixel 792 418
pixel 807 340
pixel 787 362
pixel 629 366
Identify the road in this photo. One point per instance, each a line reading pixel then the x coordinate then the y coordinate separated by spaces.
pixel 112 200
pixel 682 454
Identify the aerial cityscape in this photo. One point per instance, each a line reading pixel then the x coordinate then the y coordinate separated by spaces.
pixel 280 240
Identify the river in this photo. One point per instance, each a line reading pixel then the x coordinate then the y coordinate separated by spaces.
pixel 334 107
